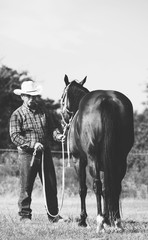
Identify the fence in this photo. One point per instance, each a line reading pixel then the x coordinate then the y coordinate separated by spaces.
pixel 15 150
pixel 9 156
pixel 135 183
pixel 135 153
pixel 58 153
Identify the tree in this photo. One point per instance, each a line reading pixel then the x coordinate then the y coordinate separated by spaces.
pixel 138 158
pixel 9 79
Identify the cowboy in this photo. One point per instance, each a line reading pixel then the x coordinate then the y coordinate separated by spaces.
pixel 30 132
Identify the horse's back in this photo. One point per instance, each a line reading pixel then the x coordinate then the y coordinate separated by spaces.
pixel 95 98
pixel 90 117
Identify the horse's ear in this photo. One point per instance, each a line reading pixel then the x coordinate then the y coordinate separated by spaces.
pixel 83 81
pixel 66 80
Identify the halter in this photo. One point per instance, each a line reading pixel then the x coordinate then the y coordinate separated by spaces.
pixel 66 107
pixel 67 125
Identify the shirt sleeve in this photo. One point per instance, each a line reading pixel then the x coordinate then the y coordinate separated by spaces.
pixel 16 131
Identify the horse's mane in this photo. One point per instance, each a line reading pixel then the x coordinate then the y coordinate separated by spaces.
pixel 75 93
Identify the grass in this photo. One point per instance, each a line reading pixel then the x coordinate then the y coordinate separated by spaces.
pixel 134 216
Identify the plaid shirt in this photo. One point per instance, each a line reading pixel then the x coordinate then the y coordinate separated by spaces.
pixel 28 127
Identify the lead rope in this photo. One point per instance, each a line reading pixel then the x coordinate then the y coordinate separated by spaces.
pixel 67 125
pixel 43 181
pixel 68 141
pixel 63 171
pixel 68 151
pixel 63 187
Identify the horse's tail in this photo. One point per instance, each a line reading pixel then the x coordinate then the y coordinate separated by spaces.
pixel 111 154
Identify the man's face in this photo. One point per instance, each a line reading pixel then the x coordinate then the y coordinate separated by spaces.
pixel 30 101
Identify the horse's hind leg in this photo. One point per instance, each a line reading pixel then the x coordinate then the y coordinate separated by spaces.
pixel 117 218
pixel 105 205
pixel 97 187
pixel 82 192
pixel 121 174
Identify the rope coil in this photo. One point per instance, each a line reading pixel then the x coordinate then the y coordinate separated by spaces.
pixel 63 186
pixel 63 171
pixel 43 179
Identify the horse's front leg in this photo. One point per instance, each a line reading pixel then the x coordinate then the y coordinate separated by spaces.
pixel 82 191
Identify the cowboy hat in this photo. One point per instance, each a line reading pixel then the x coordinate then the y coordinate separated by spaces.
pixel 28 87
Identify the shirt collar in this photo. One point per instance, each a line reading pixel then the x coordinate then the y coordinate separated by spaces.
pixel 27 108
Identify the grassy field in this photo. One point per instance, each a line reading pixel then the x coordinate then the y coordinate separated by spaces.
pixel 134 216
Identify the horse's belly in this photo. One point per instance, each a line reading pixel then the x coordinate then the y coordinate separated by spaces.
pixel 74 143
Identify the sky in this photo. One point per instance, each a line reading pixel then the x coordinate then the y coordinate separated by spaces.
pixel 105 40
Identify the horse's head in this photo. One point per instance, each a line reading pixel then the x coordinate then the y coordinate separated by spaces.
pixel 73 93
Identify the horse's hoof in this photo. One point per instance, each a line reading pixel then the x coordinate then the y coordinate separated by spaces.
pixel 100 230
pixel 118 226
pixel 88 224
pixel 82 224
pixel 100 227
pixel 119 229
pixel 107 227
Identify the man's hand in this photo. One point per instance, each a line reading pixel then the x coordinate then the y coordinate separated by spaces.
pixel 60 138
pixel 57 136
pixel 38 147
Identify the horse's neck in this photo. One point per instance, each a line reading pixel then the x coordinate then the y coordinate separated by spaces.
pixel 79 98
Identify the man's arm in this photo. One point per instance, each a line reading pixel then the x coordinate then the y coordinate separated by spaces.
pixel 16 133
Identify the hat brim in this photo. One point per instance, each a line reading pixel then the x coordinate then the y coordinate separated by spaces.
pixel 31 93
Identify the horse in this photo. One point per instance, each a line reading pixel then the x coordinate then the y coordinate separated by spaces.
pixel 100 136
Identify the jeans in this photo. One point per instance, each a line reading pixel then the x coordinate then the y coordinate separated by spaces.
pixel 27 178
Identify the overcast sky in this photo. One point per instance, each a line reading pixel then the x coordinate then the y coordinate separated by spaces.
pixel 105 40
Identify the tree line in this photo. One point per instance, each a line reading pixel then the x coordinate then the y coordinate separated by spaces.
pixel 10 80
